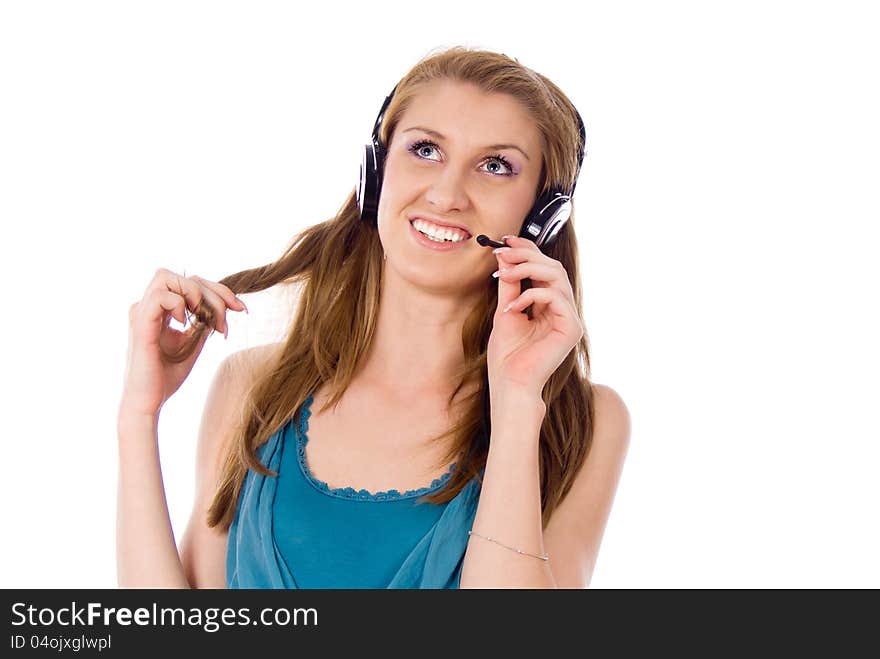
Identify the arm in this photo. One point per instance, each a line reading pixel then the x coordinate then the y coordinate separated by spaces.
pixel 510 501
pixel 146 555
pixel 146 552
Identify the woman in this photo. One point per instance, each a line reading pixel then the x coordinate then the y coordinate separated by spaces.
pixel 419 427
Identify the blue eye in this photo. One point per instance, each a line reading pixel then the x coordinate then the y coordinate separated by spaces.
pixel 418 146
pixel 497 158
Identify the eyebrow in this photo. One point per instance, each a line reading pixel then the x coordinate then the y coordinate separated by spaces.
pixel 443 137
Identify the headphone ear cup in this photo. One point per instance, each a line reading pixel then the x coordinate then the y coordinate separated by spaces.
pixel 548 215
pixel 380 172
pixel 370 183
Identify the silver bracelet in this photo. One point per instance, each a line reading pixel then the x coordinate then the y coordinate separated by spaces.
pixel 518 551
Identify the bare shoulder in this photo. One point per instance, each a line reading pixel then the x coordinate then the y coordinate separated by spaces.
pixel 243 366
pixel 574 532
pixel 612 415
pixel 224 405
pixel 203 548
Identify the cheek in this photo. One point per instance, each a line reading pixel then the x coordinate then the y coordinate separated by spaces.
pixel 396 178
pixel 397 188
pixel 511 212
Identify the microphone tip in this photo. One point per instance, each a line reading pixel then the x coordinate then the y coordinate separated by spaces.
pixel 486 241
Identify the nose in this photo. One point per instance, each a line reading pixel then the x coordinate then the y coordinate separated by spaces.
pixel 447 193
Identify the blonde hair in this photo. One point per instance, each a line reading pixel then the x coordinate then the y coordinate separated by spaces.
pixel 339 265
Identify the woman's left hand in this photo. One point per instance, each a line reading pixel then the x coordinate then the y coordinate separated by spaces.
pixel 524 353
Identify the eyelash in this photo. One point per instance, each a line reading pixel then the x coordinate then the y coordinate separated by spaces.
pixel 504 161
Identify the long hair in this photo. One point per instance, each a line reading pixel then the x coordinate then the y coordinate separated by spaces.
pixel 338 267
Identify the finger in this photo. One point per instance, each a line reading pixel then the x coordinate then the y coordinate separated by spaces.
pixel 521 254
pixel 171 340
pixel 159 305
pixel 232 301
pixel 221 296
pixel 155 282
pixel 537 272
pixel 519 241
pixel 219 306
pixel 507 290
pixel 556 303
pixel 166 280
pixel 196 294
pixel 540 275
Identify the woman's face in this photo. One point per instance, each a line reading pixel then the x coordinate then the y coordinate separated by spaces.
pixel 462 157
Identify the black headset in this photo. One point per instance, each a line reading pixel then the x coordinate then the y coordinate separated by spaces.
pixel 543 222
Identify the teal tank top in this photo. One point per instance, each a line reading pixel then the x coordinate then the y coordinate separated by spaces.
pixel 294 531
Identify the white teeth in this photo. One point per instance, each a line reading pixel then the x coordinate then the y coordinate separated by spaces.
pixel 437 234
pixel 429 236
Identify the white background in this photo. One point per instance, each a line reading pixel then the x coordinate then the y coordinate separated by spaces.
pixel 726 212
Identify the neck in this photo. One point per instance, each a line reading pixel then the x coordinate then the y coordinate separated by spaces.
pixel 416 348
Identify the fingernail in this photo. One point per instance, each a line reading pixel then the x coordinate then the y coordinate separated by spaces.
pixel 506 237
pixel 226 332
pixel 500 250
pixel 495 274
pixel 243 304
pixel 506 308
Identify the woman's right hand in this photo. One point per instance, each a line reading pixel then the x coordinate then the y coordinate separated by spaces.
pixel 150 379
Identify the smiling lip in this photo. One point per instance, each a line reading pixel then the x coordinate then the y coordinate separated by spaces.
pixel 431 244
pixel 413 218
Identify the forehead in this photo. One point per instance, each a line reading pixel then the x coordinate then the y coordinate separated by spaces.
pixel 464 113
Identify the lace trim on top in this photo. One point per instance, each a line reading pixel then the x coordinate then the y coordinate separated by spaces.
pixel 350 492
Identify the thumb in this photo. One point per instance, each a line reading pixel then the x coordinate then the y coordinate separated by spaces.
pixel 507 291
